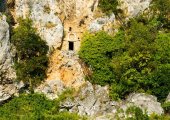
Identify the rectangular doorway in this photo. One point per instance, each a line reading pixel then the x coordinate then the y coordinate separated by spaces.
pixel 71 46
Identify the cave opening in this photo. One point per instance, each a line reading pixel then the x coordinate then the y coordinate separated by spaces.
pixel 70 29
pixel 71 46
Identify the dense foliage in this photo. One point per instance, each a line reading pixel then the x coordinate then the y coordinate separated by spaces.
pixel 135 113
pixel 2 5
pixel 31 53
pixel 136 59
pixel 108 6
pixel 144 63
pixel 162 10
pixel 34 107
pixel 166 107
pixel 96 51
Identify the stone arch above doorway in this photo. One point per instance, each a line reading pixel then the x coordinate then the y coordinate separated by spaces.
pixel 72 37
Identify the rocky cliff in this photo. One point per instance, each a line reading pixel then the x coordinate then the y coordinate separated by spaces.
pixel 60 22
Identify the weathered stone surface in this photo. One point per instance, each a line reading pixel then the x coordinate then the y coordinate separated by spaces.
pixel 64 71
pixel 133 7
pixel 51 88
pixel 146 102
pixel 43 13
pixel 9 90
pixel 101 23
pixel 7 74
pixel 65 66
pixel 91 100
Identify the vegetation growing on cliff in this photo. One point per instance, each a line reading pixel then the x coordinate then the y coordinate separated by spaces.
pixel 108 6
pixel 31 54
pixel 34 107
pixel 135 60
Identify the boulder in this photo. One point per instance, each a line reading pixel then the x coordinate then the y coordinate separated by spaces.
pixel 132 8
pixel 7 91
pixel 51 88
pixel 90 100
pixel 145 102
pixel 99 23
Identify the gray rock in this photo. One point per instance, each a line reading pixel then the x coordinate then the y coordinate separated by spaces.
pixel 146 102
pixel 91 100
pixel 43 14
pixel 51 88
pixel 132 8
pixel 7 91
pixel 7 73
pixel 99 23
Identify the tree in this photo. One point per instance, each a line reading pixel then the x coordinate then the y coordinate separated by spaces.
pixel 135 60
pixel 159 81
pixel 31 54
pixel 96 51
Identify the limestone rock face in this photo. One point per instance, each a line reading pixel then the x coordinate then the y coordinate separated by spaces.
pixel 100 23
pixel 9 90
pixel 147 102
pixel 49 15
pixel 6 92
pixel 132 7
pixel 51 88
pixel 45 19
pixel 64 71
pixel 65 66
pixel 91 100
pixel 7 74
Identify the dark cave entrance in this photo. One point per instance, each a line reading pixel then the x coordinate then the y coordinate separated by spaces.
pixel 71 46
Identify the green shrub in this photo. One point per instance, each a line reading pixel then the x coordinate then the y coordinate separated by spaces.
pixel 63 116
pixel 159 117
pixel 136 113
pixel 34 107
pixel 96 51
pixel 162 10
pixel 26 107
pixel 108 6
pixel 31 53
pixel 135 60
pixel 166 107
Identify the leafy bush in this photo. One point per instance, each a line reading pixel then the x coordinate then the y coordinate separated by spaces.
pixel 31 60
pixel 135 60
pixel 96 51
pixel 63 116
pixel 159 117
pixel 26 107
pixel 34 107
pixel 136 113
pixel 144 64
pixel 108 6
pixel 166 107
pixel 162 10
